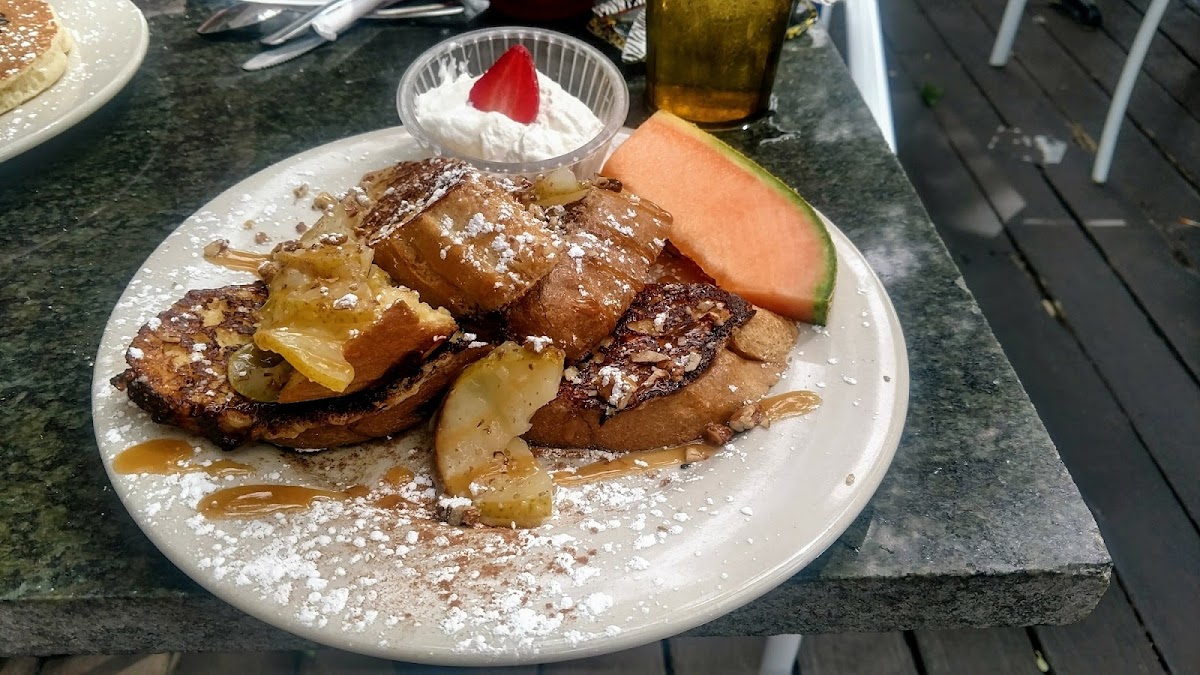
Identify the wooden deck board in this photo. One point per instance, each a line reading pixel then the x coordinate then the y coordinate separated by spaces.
pixel 1146 376
pixel 855 653
pixel 1174 130
pixel 713 655
pixel 648 659
pixel 338 662
pixel 1167 71
pixel 1140 173
pixel 119 664
pixel 259 663
pixel 998 651
pixel 1110 639
pixel 20 665
pixel 1107 458
pixel 1180 24
pixel 1165 62
pixel 1138 250
pixel 1142 371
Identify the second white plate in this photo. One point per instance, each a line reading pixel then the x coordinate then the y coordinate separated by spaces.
pixel 110 42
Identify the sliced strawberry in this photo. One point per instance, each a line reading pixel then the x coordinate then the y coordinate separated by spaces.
pixel 509 87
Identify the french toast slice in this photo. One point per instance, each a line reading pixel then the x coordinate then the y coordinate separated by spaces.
pixel 461 239
pixel 665 376
pixel 178 373
pixel 612 238
pixel 339 319
pixel 407 331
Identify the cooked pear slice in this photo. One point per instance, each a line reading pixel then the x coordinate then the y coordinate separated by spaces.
pixel 477 445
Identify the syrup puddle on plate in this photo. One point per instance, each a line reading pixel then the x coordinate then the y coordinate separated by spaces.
pixel 167 456
pixel 251 501
pixel 636 462
pixel 791 404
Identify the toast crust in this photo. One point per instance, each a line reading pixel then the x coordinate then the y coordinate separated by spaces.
pixel 666 340
pixel 667 374
pixel 673 419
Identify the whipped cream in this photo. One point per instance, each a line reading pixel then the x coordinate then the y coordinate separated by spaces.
pixel 564 123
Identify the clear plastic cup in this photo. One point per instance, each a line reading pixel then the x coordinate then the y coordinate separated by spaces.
pixel 577 67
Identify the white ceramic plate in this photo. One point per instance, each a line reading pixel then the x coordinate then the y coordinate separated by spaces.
pixel 110 41
pixel 622 563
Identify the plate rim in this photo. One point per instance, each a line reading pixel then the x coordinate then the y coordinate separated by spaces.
pixel 84 109
pixel 867 485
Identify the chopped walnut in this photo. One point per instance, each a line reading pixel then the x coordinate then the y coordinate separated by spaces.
pixel 301 227
pixel 655 375
pixel 644 326
pixel 691 363
pixel 617 387
pixel 323 201
pixel 748 417
pixel 301 190
pixel 268 270
pixel 216 249
pixel 458 515
pixel 650 356
pixel 610 184
pixel 261 237
pixel 248 225
pixel 717 434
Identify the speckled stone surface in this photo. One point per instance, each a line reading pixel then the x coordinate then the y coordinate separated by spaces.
pixel 977 523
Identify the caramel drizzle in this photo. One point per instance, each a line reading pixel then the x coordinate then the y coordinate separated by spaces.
pixel 165 456
pixel 791 404
pixel 251 501
pixel 635 463
pixel 219 253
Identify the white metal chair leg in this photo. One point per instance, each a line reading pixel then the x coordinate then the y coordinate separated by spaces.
pixel 1120 102
pixel 864 39
pixel 1002 47
pixel 779 655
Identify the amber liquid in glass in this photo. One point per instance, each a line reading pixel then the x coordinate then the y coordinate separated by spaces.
pixel 713 61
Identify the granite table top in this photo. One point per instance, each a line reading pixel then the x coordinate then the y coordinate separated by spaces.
pixel 976 524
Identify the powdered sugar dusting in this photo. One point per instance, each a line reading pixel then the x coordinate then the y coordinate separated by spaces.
pixel 616 564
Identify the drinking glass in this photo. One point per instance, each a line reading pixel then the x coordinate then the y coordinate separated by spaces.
pixel 713 61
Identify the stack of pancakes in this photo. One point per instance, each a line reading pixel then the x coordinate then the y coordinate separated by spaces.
pixel 33 50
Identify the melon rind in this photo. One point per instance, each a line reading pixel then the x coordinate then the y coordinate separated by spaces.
pixel 823 291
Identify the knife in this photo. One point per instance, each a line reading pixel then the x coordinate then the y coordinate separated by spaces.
pixel 239 15
pixel 285 53
pixel 327 25
pixel 248 13
pixel 300 25
pixel 339 16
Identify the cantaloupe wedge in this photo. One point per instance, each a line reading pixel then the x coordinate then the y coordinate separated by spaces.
pixel 744 227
